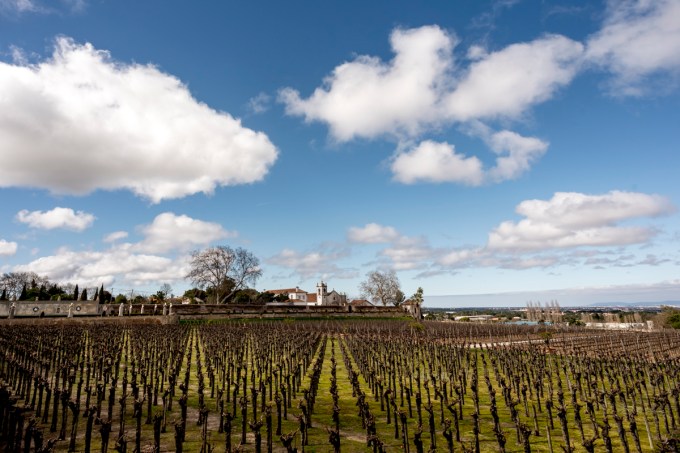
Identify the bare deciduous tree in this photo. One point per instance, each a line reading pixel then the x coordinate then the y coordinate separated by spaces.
pixel 165 290
pixel 223 270
pixel 382 287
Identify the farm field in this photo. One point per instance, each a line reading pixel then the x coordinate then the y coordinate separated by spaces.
pixel 324 386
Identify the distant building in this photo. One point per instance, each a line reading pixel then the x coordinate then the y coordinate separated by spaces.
pixel 298 296
pixel 413 308
pixel 361 303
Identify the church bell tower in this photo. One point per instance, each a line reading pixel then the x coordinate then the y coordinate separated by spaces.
pixel 321 293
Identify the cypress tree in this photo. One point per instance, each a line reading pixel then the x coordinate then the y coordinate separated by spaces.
pixel 101 294
pixel 83 295
pixel 96 293
pixel 76 293
pixel 4 294
pixel 23 293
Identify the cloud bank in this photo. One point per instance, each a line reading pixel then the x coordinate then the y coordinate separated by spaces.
pixel 569 228
pixel 160 256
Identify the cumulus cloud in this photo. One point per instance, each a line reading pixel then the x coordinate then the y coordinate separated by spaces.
pixel 169 231
pixel 93 268
pixel 401 253
pixel 638 38
pixel 573 219
pixel 507 82
pixel 409 253
pixel 94 123
pixel 437 162
pixel 515 153
pixel 421 87
pixel 367 97
pixel 317 264
pixel 372 233
pixel 65 218
pixel 115 236
pixel 7 248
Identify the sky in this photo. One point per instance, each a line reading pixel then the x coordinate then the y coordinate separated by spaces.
pixel 493 151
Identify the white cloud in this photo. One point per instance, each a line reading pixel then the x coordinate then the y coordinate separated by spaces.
pixel 575 219
pixel 18 6
pixel 367 97
pixel 419 88
pixel 169 231
pixel 317 264
pixel 439 162
pixel 521 151
pixel 460 257
pixel 58 217
pixel 7 248
pixel 40 6
pixel 372 233
pixel 552 233
pixel 436 162
pixel 159 257
pixel 115 236
pixel 402 252
pixel 94 123
pixel 507 82
pixel 93 268
pixel 638 38
pixel 409 253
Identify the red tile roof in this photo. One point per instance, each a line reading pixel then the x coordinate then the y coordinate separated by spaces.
pixel 360 302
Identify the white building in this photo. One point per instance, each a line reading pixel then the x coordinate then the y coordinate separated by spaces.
pixel 298 296
pixel 323 297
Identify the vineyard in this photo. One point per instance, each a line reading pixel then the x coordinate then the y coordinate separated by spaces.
pixel 322 386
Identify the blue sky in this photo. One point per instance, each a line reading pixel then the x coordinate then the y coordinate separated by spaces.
pixel 515 149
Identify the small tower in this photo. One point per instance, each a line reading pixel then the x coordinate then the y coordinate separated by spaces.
pixel 321 293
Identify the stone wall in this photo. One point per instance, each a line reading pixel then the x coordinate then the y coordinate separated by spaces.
pixel 59 309
pixel 91 320
pixel 49 308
